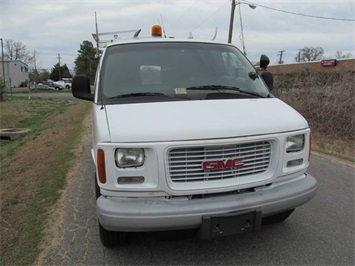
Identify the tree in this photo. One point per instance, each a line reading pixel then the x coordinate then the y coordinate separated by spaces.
pixel 39 75
pixel 33 63
pixel 44 74
pixel 308 54
pixel 340 55
pixel 15 50
pixel 86 61
pixel 64 72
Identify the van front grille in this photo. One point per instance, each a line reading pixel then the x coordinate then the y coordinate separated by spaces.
pixel 195 164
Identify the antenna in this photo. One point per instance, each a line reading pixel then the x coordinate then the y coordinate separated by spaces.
pixel 97 38
pixel 215 34
pixel 162 23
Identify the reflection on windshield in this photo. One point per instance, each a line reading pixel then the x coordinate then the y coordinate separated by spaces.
pixel 169 68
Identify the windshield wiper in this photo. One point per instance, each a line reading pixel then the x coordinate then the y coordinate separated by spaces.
pixel 140 94
pixel 221 87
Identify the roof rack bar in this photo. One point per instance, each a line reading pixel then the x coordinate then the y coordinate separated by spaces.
pixel 96 36
pixel 137 33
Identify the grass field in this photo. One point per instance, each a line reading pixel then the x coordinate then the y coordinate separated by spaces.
pixel 34 169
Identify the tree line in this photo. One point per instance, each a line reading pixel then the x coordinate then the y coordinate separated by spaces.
pixel 308 54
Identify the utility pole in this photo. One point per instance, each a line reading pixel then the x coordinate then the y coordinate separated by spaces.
pixel 59 66
pixel 2 86
pixel 231 21
pixel 299 56
pixel 280 54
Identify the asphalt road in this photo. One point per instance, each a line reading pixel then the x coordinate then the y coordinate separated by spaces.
pixel 318 233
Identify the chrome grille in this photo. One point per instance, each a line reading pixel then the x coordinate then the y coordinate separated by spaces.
pixel 186 164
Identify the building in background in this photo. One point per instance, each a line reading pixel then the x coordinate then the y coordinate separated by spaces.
pixel 16 73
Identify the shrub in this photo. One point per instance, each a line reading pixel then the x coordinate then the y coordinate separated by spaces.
pixel 326 100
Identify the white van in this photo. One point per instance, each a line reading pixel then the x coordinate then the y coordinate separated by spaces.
pixel 186 135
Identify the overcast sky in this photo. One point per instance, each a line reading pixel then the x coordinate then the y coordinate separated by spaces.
pixel 55 27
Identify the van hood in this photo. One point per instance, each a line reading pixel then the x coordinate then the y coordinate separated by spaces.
pixel 196 120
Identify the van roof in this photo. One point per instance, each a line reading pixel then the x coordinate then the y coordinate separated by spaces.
pixel 159 40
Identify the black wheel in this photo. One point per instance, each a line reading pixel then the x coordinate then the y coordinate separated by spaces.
pixel 97 188
pixel 108 238
pixel 277 218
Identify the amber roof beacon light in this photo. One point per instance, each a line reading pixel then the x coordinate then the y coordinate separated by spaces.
pixel 156 31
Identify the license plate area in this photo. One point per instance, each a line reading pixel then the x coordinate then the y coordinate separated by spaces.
pixel 229 224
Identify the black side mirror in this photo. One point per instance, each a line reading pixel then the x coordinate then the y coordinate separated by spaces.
pixel 264 61
pixel 268 78
pixel 81 88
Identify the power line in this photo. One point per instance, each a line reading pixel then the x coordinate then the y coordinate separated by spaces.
pixel 185 12
pixel 210 16
pixel 300 14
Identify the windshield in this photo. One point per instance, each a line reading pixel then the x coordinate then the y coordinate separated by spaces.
pixel 177 71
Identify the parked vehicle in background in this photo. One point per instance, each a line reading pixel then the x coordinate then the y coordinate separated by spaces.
pixel 41 87
pixel 53 85
pixel 63 83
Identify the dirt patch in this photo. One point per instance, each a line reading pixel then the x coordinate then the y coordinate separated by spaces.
pixel 23 179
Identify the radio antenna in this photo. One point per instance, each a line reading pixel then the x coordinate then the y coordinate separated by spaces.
pixel 162 23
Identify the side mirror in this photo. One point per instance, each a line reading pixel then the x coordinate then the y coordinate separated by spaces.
pixel 264 61
pixel 81 88
pixel 269 79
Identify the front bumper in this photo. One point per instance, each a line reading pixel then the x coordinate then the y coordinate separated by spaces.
pixel 158 214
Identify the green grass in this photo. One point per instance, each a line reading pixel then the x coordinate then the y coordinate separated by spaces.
pixel 20 112
pixel 47 195
pixel 22 90
pixel 37 115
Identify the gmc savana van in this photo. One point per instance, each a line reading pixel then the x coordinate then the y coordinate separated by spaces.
pixel 186 135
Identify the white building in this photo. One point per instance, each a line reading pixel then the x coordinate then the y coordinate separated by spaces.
pixel 16 72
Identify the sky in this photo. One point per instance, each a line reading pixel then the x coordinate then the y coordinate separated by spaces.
pixel 53 27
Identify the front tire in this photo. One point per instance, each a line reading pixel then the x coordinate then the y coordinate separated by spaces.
pixel 108 238
pixel 97 188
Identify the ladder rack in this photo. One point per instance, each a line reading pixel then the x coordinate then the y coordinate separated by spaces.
pixel 102 43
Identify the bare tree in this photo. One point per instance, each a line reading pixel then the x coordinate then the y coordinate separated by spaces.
pixel 34 64
pixel 308 54
pixel 341 55
pixel 15 50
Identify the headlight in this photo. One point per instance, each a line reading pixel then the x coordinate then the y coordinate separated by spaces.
pixel 129 157
pixel 295 143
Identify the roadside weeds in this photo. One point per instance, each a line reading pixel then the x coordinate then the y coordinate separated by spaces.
pixel 33 174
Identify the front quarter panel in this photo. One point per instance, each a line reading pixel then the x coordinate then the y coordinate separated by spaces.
pixel 100 129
